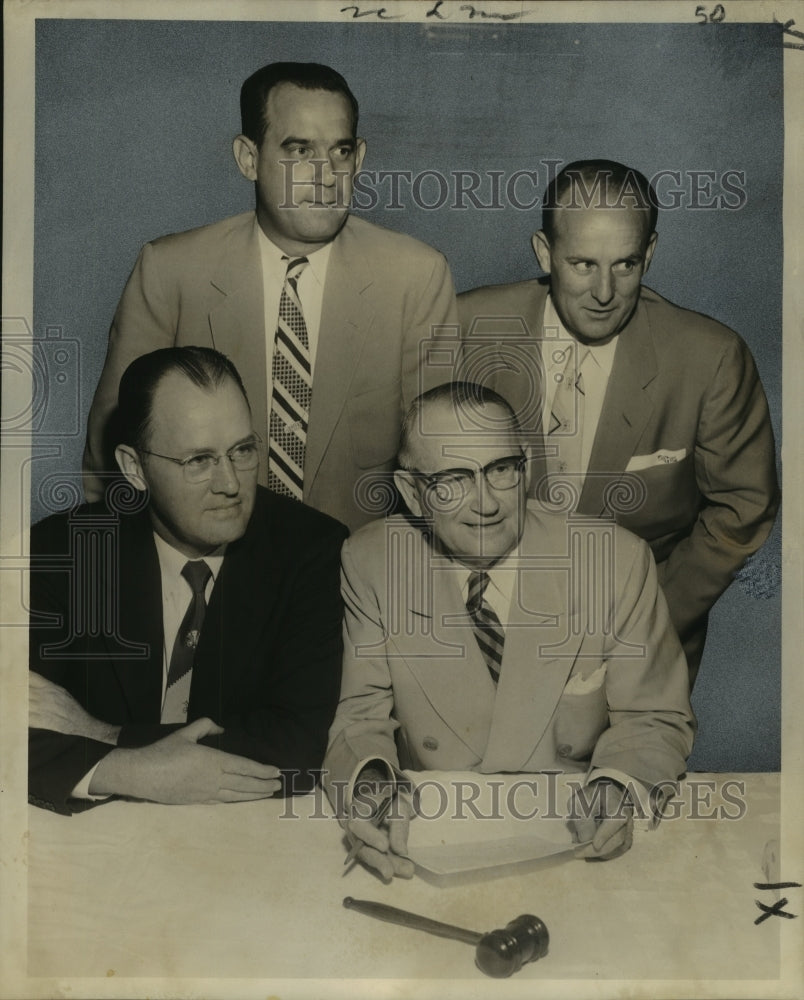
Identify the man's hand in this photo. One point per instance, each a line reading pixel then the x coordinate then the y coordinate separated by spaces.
pixel 609 825
pixel 52 707
pixel 384 848
pixel 176 771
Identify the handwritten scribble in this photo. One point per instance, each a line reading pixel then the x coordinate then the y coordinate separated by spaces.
pixel 775 910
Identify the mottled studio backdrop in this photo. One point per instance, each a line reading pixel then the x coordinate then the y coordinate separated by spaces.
pixel 134 122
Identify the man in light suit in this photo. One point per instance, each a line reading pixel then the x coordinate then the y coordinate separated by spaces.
pixel 324 314
pixel 483 636
pixel 651 412
pixel 145 685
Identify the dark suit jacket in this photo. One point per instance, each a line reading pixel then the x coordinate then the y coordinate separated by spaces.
pixel 680 382
pixel 384 293
pixel 592 675
pixel 268 662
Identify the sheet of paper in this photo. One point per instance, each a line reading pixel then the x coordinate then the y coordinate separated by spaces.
pixel 465 821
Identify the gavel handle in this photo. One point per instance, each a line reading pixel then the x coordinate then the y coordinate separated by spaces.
pixel 396 916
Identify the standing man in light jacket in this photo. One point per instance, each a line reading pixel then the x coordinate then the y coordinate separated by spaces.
pixel 323 313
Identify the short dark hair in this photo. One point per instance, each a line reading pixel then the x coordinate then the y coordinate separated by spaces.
pixel 460 396
pixel 623 187
pixel 310 76
pixel 203 366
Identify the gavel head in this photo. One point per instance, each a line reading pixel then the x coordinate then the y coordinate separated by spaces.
pixel 503 952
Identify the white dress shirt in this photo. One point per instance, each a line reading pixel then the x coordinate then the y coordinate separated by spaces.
pixel 595 361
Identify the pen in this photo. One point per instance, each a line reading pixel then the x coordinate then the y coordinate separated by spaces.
pixel 375 821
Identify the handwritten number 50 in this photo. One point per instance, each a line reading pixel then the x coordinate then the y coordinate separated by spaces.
pixel 718 14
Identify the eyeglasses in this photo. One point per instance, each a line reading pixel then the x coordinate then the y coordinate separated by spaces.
pixel 452 485
pixel 198 468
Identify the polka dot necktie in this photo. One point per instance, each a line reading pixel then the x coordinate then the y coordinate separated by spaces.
pixel 292 380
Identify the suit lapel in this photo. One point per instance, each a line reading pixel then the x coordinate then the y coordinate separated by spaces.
pixel 140 616
pixel 627 407
pixel 237 320
pixel 346 315
pixel 234 619
pixel 439 647
pixel 539 652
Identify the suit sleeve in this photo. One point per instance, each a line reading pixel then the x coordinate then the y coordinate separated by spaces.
pixel 736 473
pixel 431 308
pixel 56 762
pixel 288 726
pixel 651 725
pixel 363 725
pixel 146 319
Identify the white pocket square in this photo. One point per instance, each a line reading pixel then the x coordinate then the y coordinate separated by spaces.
pixel 662 457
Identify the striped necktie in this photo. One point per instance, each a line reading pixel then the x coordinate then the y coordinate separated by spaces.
pixel 292 380
pixel 180 672
pixel 487 628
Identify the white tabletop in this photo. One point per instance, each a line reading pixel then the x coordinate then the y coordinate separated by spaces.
pixel 247 890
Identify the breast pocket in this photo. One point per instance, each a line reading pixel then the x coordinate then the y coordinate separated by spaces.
pixel 671 499
pixel 375 421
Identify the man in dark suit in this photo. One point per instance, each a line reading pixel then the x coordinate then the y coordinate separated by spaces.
pixel 487 637
pixel 638 407
pixel 185 637
pixel 324 314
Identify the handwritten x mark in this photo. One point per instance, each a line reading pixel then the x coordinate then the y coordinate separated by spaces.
pixel 776 909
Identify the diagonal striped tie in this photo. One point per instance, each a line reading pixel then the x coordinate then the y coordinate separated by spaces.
pixel 487 628
pixel 292 380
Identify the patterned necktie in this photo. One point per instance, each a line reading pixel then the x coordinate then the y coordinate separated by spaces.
pixel 177 695
pixel 567 415
pixel 487 628
pixel 292 381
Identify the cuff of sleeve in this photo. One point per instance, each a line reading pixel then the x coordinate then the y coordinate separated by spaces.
pixel 81 790
pixel 649 803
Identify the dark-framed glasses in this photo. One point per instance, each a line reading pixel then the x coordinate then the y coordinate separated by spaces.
pixel 199 468
pixel 452 485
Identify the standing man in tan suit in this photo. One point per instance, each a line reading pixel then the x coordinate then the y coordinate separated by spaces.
pixel 639 408
pixel 324 314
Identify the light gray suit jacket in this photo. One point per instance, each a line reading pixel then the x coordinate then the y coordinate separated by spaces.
pixel 416 690
pixel 384 294
pixel 681 383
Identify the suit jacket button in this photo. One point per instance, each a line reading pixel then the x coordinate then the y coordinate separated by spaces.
pixel 564 750
pixel 430 743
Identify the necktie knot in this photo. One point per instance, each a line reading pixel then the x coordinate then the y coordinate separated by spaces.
pixel 197 573
pixel 478 581
pixel 295 267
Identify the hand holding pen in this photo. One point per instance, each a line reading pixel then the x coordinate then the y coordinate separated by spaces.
pixel 380 842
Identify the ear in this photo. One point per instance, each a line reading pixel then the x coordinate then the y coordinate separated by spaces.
pixel 360 152
pixel 406 484
pixel 541 247
pixel 528 450
pixel 245 154
pixel 131 467
pixel 649 250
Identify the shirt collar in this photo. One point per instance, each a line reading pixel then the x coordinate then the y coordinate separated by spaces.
pixel 171 561
pixel 602 354
pixel 273 256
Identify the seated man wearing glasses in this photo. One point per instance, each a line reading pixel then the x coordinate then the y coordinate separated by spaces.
pixel 185 641
pixel 487 637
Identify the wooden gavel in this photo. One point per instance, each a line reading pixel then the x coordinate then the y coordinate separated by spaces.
pixel 498 953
